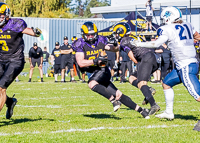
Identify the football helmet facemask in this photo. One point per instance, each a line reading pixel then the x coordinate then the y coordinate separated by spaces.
pixel 170 15
pixel 89 28
pixel 4 10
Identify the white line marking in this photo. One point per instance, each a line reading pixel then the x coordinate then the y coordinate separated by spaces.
pixel 43 106
pixel 94 129
pixel 50 106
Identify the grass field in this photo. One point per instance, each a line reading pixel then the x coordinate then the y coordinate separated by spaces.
pixel 71 112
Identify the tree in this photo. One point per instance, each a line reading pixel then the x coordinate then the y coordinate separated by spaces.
pixel 40 8
pixel 94 3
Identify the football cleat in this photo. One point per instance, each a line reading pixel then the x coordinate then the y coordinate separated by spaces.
pixel 155 108
pixel 116 105
pixel 197 126
pixel 165 115
pixel 153 92
pixel 145 113
pixel 11 106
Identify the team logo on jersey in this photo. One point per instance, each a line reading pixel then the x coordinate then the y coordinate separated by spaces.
pixel 1 31
pixel 69 46
pixel 57 53
pixel 159 32
pixel 5 36
pixel 93 46
pixel 94 52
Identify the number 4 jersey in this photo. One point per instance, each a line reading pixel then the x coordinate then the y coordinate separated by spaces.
pixel 180 42
pixel 11 42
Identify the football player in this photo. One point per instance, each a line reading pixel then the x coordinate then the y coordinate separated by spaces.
pixel 11 53
pixel 90 54
pixel 179 35
pixel 147 63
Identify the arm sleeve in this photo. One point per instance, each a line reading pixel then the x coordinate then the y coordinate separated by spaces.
pixel 77 46
pixel 30 54
pixel 154 44
pixel 163 37
pixel 124 46
pixel 103 40
pixel 19 25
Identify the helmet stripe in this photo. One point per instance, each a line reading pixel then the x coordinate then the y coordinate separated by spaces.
pixel 85 29
pixel 179 11
pixel 94 27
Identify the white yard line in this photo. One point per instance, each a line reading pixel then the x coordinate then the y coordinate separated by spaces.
pixel 54 97
pixel 39 106
pixel 94 129
pixel 50 106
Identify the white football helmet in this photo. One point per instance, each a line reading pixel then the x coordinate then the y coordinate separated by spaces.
pixel 171 14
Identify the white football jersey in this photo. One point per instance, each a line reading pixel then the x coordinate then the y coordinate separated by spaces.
pixel 149 10
pixel 180 42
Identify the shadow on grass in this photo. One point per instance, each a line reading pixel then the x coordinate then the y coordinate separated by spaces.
pixel 18 121
pixel 185 117
pixel 102 116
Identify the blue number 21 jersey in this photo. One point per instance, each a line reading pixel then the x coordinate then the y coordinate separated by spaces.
pixel 180 42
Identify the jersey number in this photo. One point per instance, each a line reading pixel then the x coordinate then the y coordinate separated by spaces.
pixel 4 45
pixel 182 30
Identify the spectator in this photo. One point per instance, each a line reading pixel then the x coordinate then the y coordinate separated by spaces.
pixel 126 63
pixel 35 56
pixel 66 59
pixel 56 60
pixel 45 61
pixel 112 58
pixel 149 15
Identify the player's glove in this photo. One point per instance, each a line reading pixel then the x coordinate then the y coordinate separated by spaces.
pixel 135 42
pixel 113 41
pixel 101 60
pixel 37 31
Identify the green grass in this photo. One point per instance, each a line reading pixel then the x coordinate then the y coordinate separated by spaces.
pixel 71 112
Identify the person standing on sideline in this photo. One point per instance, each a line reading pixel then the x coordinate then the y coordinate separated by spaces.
pixel 35 56
pixel 113 57
pixel 180 38
pixel 45 61
pixel 56 60
pixel 149 15
pixel 126 63
pixel 12 53
pixel 66 59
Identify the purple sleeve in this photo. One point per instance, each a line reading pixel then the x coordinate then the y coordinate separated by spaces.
pixel 16 24
pixel 78 45
pixel 125 48
pixel 103 40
